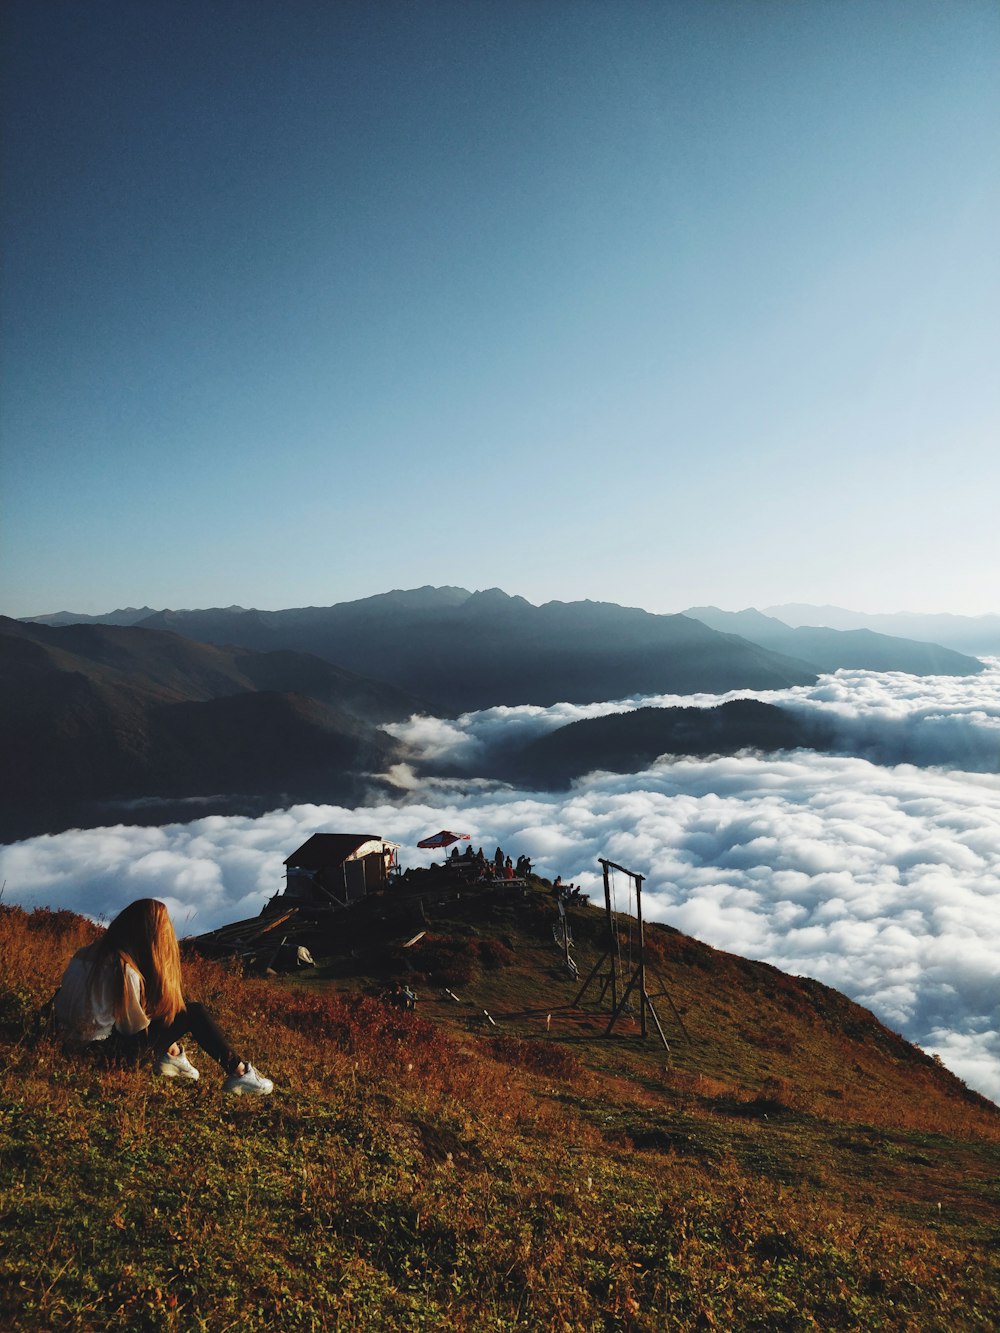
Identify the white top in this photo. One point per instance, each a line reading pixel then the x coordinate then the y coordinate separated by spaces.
pixel 86 1012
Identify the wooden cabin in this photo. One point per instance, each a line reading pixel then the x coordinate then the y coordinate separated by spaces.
pixel 339 868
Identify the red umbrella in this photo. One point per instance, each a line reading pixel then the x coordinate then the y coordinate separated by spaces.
pixel 444 839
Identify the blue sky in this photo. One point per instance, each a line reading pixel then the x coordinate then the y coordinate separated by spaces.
pixel 659 303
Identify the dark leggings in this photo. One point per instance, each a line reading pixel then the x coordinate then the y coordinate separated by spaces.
pixel 194 1020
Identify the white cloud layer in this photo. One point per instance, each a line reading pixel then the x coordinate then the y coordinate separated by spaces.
pixel 888 717
pixel 881 880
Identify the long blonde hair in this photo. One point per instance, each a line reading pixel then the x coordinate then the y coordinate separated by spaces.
pixel 142 937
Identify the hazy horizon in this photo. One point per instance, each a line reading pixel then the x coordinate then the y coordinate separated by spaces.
pixel 772 610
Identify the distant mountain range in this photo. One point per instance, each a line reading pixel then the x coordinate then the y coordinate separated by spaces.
pixel 835 649
pixel 462 651
pixel 244 710
pixel 125 615
pixel 979 635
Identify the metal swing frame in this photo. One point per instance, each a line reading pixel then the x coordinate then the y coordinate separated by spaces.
pixel 613 978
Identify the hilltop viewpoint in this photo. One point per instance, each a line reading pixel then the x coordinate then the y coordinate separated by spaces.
pixel 496 1158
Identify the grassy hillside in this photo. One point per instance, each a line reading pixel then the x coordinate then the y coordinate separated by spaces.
pixel 796 1166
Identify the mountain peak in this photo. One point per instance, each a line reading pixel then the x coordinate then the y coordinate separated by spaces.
pixel 490 601
pixel 734 622
pixel 494 595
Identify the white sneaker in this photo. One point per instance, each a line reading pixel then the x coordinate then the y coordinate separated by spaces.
pixel 176 1066
pixel 248 1082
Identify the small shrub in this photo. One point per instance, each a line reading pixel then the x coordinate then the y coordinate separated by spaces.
pixel 445 961
pixel 757 1108
pixel 17 1008
pixel 494 954
pixel 540 1057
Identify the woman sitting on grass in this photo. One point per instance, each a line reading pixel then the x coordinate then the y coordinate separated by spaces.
pixel 122 996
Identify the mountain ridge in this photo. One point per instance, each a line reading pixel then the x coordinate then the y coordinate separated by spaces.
pixel 433 624
pixel 463 653
pixel 628 742
pixel 91 714
pixel 949 629
pixel 978 635
pixel 831 650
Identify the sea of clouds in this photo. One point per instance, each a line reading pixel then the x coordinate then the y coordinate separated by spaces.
pixel 875 869
pixel 889 717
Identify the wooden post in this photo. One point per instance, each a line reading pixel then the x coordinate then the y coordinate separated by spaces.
pixel 609 954
pixel 643 999
pixel 612 937
pixel 638 977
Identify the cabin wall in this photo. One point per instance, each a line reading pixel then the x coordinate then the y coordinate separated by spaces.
pixel 375 874
pixel 354 879
pixel 299 884
pixel 347 881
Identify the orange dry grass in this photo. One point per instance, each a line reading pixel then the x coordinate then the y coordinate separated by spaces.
pixel 36 946
pixel 410 1175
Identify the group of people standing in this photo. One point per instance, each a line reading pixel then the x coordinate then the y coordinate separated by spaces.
pixel 500 867
pixel 566 893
